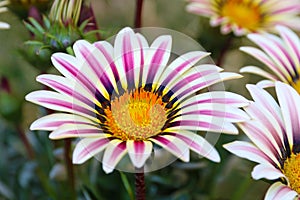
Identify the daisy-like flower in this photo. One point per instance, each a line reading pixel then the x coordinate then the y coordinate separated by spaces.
pixel 3 25
pixel 274 131
pixel 127 99
pixel 280 54
pixel 246 16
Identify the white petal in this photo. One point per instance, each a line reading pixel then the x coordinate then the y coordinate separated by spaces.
pixel 113 154
pixel 89 147
pixel 198 144
pixel 289 101
pixel 248 151
pixel 174 145
pixel 127 57
pixel 139 152
pixel 53 121
pixel 75 131
pixel 266 171
pixel 279 191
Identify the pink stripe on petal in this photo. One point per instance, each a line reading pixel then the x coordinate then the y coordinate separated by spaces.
pixel 64 86
pixel 181 65
pixel 139 152
pixel 107 50
pixel 279 191
pixel 198 144
pixel 248 151
pixel 174 145
pixel 289 101
pixel 53 121
pixel 113 154
pixel 88 148
pixel 75 131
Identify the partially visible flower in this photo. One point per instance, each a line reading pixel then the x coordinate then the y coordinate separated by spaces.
pixel 246 16
pixel 3 25
pixel 280 54
pixel 275 134
pixel 57 32
pixel 128 99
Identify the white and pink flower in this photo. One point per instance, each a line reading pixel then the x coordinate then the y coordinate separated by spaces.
pixel 128 99
pixel 275 143
pixel 280 54
pixel 248 16
pixel 3 25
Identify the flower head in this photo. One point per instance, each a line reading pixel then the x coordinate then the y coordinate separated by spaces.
pixel 127 99
pixel 246 16
pixel 280 54
pixel 3 25
pixel 274 131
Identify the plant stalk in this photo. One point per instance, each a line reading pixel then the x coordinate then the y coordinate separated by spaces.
pixel 138 14
pixel 140 188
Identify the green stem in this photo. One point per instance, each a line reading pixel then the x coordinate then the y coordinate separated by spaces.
pixel 69 166
pixel 224 50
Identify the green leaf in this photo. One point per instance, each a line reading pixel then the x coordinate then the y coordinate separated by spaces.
pixel 127 185
pixel 36 24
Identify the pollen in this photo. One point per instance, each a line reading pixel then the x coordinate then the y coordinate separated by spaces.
pixel 136 116
pixel 243 13
pixel 291 170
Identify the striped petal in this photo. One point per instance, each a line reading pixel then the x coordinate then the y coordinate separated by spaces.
pixel 89 147
pixel 127 57
pixel 280 191
pixel 156 58
pixel 180 65
pixel 289 100
pixel 72 68
pixel 174 145
pixel 220 97
pixel 53 121
pixel 258 71
pixel 197 144
pixel 266 171
pixel 139 152
pixel 67 87
pixel 257 134
pixel 203 123
pixel 59 102
pixel 95 62
pixel 74 131
pixel 113 154
pixel 218 111
pixel 249 151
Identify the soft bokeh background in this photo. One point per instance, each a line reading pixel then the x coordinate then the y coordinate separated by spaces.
pixel 45 177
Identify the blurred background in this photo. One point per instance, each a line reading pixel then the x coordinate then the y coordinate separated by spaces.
pixel 34 167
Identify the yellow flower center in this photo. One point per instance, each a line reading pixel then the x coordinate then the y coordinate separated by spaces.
pixel 291 170
pixel 244 13
pixel 296 85
pixel 136 116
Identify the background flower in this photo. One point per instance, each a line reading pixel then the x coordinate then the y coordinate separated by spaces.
pixel 244 16
pixel 280 54
pixel 154 104
pixel 274 134
pixel 3 25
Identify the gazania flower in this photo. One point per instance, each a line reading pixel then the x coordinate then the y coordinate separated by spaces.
pixel 280 55
pixel 274 131
pixel 245 16
pixel 3 25
pixel 127 99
